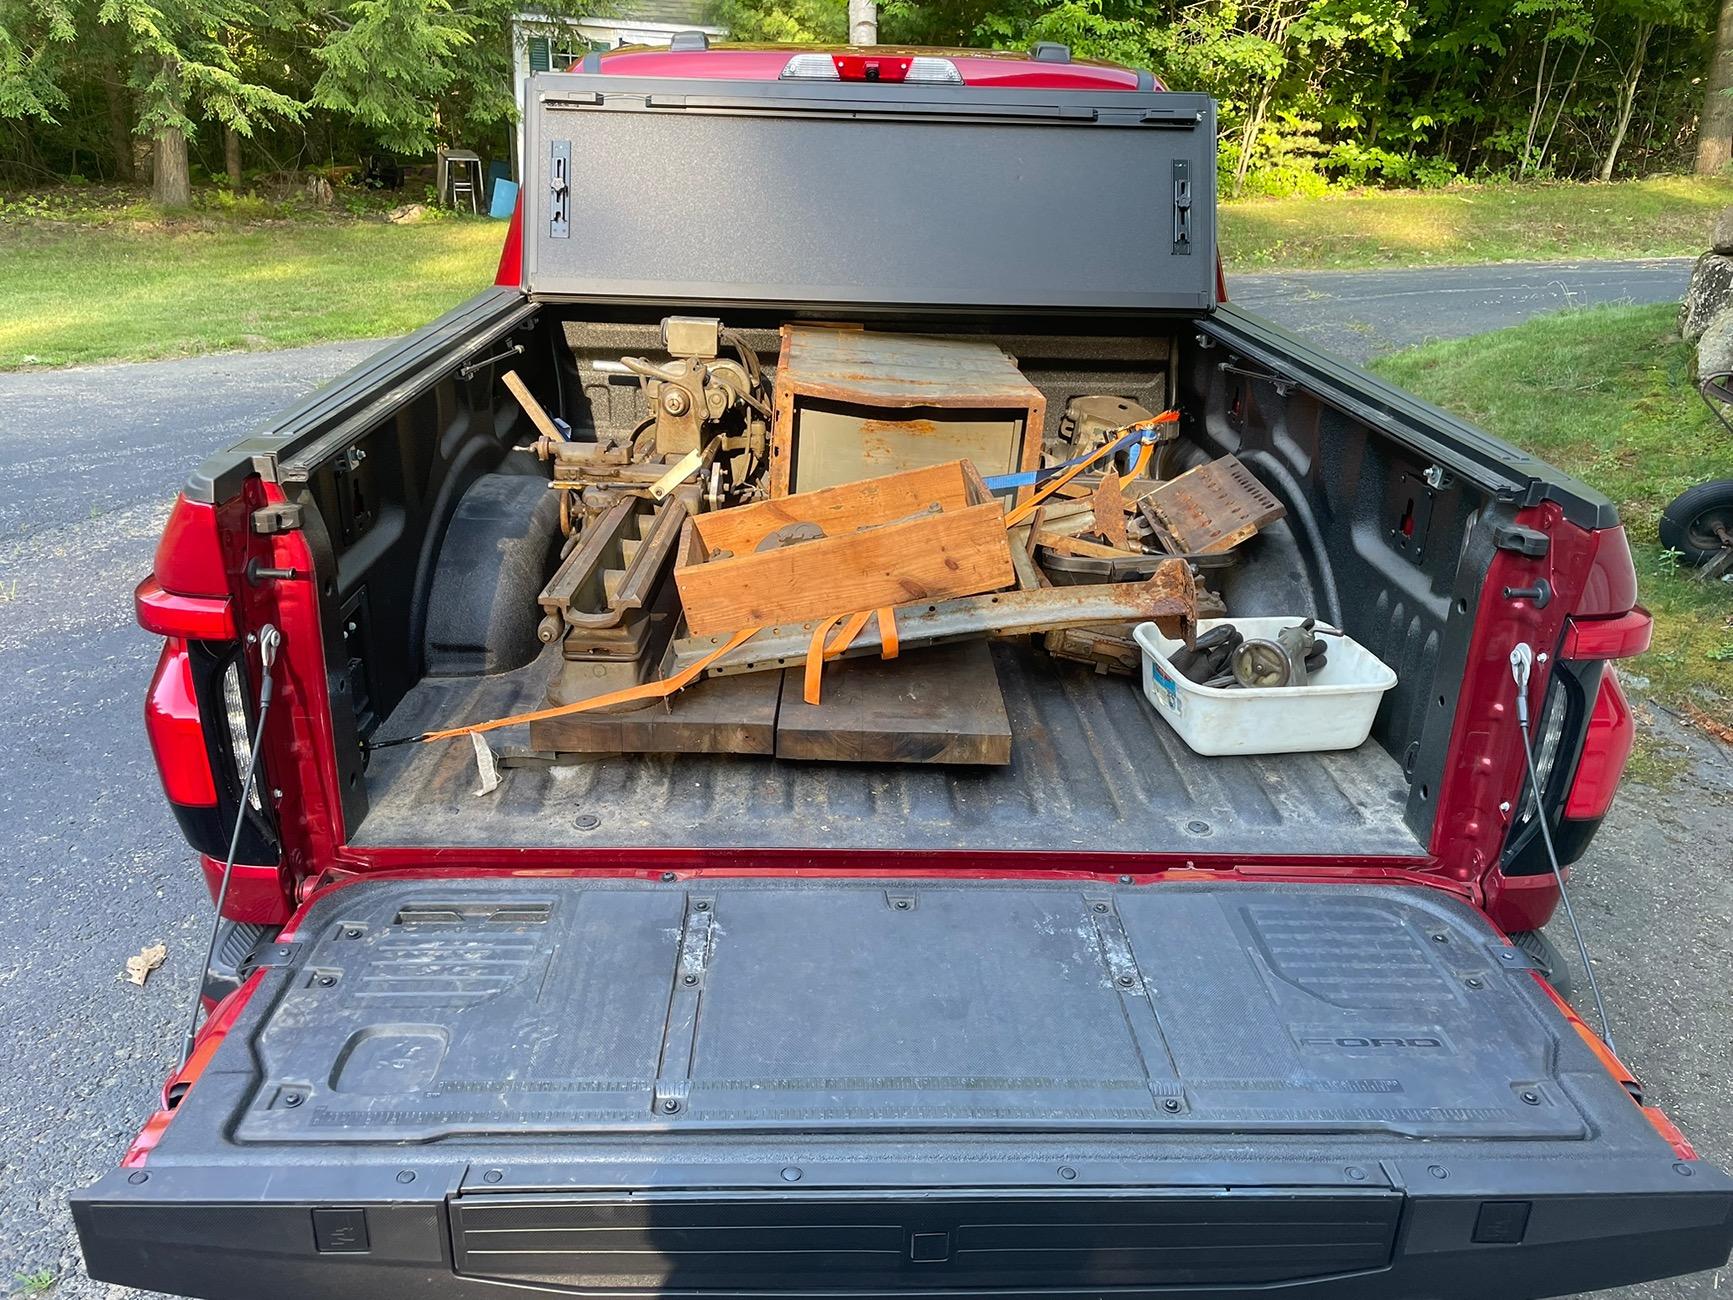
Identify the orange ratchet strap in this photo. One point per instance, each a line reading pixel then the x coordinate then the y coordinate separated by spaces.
pixel 819 651
pixel 1058 481
pixel 648 691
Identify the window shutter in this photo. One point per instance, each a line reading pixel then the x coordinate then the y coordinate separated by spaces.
pixel 540 55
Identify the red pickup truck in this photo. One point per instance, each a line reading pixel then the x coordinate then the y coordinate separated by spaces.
pixel 1109 1019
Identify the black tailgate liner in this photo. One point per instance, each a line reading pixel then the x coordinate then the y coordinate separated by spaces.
pixel 720 1085
pixel 844 1006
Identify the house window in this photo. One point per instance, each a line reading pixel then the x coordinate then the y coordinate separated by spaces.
pixel 561 52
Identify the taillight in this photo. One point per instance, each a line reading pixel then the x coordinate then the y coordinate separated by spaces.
pixel 176 732
pixel 1622 637
pixel 193 618
pixel 1606 746
pixel 189 558
pixel 199 724
pixel 1611 730
pixel 815 66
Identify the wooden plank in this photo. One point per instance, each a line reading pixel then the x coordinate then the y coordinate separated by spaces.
pixel 1082 547
pixel 532 408
pixel 841 509
pixel 940 705
pixel 720 715
pixel 782 424
pixel 962 553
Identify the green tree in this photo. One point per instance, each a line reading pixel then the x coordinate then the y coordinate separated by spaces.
pixel 35 36
pixel 1715 134
pixel 419 73
pixel 186 72
pixel 793 22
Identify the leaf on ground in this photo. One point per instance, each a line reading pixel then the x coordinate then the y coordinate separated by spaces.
pixel 1709 725
pixel 138 968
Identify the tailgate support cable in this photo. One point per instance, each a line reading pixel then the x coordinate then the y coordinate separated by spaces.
pixel 269 640
pixel 1521 663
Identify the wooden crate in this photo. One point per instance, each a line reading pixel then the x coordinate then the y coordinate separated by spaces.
pixel 922 535
pixel 851 404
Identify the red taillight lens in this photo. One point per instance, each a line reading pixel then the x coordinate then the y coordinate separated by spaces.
pixel 1609 638
pixel 195 618
pixel 177 738
pixel 1605 749
pixel 189 558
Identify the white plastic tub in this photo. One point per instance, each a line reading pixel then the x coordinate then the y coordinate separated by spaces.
pixel 1334 711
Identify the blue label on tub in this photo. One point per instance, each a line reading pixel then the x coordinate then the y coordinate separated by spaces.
pixel 1160 681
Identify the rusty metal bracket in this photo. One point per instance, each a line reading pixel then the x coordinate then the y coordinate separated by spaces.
pixel 1169 593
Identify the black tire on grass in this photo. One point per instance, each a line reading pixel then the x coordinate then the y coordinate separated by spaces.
pixel 1688 524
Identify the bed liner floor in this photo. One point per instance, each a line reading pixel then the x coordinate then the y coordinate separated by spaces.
pixel 1092 767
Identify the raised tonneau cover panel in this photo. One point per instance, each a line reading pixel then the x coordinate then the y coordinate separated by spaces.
pixel 853 194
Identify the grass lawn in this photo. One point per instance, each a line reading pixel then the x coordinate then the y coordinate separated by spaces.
pixel 1664 216
pixel 82 290
pixel 1605 393
pixel 95 274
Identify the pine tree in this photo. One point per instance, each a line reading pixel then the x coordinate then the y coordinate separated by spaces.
pixel 188 73
pixel 422 73
pixel 35 36
pixel 1715 132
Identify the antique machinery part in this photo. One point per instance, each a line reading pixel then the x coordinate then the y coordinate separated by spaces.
pixel 1169 595
pixel 1107 649
pixel 697 387
pixel 1090 421
pixel 551 436
pixel 615 570
pixel 1280 660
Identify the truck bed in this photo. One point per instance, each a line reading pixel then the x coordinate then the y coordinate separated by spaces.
pixel 720 1086
pixel 1092 767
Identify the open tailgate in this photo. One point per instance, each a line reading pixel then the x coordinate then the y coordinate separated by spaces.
pixel 877 1087
pixel 860 195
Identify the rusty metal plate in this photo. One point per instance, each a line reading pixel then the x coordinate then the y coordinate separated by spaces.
pixel 1168 594
pixel 903 369
pixel 1212 508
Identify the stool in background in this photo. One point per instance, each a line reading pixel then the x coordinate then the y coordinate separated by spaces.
pixel 460 183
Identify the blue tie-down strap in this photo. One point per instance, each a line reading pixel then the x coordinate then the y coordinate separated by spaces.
pixel 1033 477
